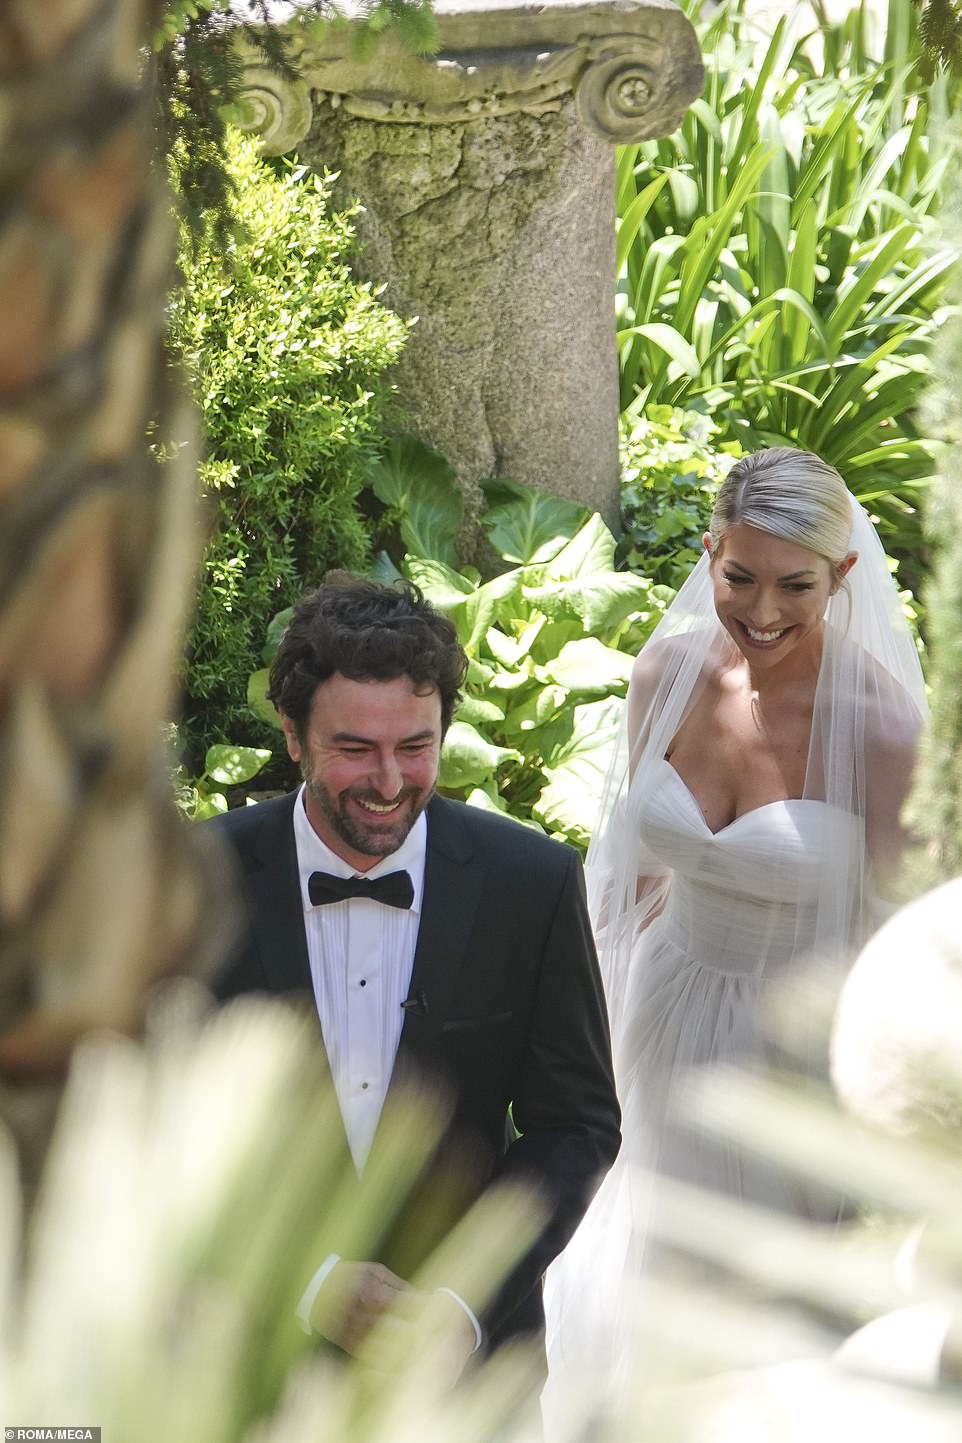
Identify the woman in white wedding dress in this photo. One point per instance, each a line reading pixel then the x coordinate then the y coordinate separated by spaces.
pixel 749 826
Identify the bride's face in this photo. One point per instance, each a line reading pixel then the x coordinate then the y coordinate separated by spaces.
pixel 770 594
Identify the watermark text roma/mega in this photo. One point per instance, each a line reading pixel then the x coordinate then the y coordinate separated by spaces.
pixel 54 1435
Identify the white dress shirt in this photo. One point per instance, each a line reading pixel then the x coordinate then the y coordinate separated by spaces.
pixel 362 955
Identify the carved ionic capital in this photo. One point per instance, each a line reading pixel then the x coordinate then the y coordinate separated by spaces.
pixel 620 93
pixel 276 109
pixel 633 65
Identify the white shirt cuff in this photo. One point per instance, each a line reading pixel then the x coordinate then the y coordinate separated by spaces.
pixel 309 1295
pixel 478 1334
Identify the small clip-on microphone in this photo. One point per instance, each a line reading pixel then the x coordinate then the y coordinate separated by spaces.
pixel 418 1003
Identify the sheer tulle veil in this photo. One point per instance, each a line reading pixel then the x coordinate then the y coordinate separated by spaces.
pixel 869 706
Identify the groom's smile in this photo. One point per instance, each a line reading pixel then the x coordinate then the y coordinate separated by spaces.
pixel 369 755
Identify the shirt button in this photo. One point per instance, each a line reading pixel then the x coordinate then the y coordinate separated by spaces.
pixel 365 1086
pixel 363 982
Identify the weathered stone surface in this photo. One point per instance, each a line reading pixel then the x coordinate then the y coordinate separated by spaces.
pixel 634 65
pixel 486 177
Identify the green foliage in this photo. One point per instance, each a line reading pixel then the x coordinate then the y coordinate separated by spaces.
pixel 224 766
pixel 286 353
pixel 940 28
pixel 550 644
pixel 779 268
pixel 671 466
pixel 406 468
pixel 197 77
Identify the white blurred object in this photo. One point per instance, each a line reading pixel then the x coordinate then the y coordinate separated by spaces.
pixel 904 1346
pixel 798 1402
pixel 897 1040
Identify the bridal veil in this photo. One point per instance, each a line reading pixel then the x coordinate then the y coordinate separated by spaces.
pixel 868 710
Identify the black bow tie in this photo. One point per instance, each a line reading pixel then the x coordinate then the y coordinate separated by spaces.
pixel 395 889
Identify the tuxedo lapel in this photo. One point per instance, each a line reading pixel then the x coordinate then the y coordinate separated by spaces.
pixel 452 892
pixel 278 920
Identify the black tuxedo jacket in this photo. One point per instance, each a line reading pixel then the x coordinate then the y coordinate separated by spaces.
pixel 512 1016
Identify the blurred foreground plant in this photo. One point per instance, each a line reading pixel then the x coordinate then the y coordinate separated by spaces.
pixel 760 1327
pixel 190 1193
pixel 776 1329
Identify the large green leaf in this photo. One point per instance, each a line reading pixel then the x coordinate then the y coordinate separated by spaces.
pixel 467 758
pixel 552 637
pixel 511 681
pixel 479 611
pixel 529 527
pixel 479 673
pixel 569 802
pixel 444 587
pixel 231 765
pixel 422 486
pixel 535 711
pixel 382 569
pixel 600 601
pixel 508 651
pixel 591 550
pixel 478 711
pixel 489 799
pixel 275 631
pixel 590 668
pixel 257 685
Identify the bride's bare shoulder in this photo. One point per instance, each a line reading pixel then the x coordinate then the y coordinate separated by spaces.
pixel 893 723
pixel 656 661
pixel 662 663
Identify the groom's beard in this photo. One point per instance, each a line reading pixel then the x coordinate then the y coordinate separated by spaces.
pixel 366 832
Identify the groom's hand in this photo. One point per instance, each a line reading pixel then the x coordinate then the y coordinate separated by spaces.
pixel 352 1300
pixel 421 1325
pixel 445 1327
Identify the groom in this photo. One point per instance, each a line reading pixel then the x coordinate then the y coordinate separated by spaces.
pixel 433 939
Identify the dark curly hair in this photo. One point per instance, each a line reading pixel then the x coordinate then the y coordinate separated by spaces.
pixel 367 632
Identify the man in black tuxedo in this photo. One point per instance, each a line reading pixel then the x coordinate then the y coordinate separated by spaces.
pixel 432 938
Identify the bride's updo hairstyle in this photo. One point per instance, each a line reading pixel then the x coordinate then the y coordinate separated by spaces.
pixel 790 494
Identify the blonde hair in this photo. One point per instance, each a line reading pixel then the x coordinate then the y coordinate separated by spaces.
pixel 788 493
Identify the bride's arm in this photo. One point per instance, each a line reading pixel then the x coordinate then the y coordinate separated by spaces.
pixel 891 746
pixel 644 700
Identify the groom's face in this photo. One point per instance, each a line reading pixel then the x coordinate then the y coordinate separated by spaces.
pixel 369 755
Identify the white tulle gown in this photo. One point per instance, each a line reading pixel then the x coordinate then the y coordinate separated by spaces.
pixel 734 911
pixel 696 930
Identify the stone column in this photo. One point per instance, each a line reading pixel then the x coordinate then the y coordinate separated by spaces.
pixel 486 176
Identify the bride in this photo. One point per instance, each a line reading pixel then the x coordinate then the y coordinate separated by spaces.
pixel 749 827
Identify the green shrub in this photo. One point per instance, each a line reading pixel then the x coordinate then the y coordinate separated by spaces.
pixel 671 467
pixel 779 270
pixel 286 353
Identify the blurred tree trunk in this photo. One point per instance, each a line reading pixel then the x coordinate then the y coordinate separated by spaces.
pixel 99 894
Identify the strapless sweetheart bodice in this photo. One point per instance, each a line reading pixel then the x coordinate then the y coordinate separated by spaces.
pixel 720 911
